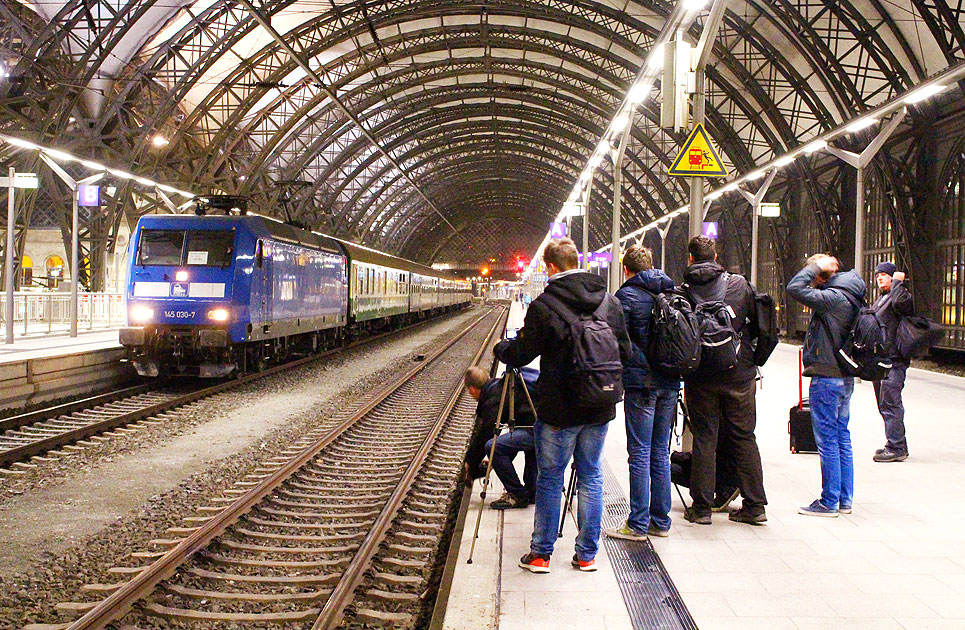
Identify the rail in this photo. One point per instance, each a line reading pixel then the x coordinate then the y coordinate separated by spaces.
pixel 42 313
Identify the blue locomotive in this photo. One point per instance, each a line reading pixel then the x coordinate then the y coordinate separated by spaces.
pixel 212 295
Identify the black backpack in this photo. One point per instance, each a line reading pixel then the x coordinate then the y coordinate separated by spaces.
pixel 674 347
pixel 916 335
pixel 595 375
pixel 767 332
pixel 866 352
pixel 719 340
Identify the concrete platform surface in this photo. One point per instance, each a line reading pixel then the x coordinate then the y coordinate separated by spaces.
pixel 57 344
pixel 897 562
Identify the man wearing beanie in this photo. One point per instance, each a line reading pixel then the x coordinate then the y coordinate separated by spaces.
pixel 894 303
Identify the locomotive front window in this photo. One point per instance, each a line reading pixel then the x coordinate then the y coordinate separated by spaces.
pixel 160 247
pixel 210 248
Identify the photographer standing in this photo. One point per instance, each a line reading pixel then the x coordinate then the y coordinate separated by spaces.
pixel 894 303
pixel 821 288
pixel 566 426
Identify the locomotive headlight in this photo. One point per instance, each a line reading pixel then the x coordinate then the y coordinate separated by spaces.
pixel 218 314
pixel 142 314
pixel 181 276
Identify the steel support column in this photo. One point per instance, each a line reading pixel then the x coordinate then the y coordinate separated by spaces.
pixel 755 200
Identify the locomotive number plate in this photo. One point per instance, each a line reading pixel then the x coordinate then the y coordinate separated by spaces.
pixel 179 314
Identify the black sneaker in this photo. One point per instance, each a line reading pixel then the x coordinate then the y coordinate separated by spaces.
pixel 509 502
pixel 751 517
pixel 889 455
pixel 723 500
pixel 693 515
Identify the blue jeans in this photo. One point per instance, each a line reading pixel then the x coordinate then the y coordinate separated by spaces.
pixel 507 446
pixel 830 413
pixel 650 416
pixel 888 393
pixel 554 448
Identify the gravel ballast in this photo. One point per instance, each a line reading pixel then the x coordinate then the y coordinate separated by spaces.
pixel 65 522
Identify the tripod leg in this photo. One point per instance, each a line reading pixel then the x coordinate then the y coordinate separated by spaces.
pixel 489 470
pixel 568 498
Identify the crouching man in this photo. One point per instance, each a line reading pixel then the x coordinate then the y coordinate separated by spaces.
pixel 488 392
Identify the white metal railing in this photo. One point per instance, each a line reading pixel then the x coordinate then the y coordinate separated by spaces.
pixel 39 313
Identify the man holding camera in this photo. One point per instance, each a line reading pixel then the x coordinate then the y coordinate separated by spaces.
pixel 820 287
pixel 566 427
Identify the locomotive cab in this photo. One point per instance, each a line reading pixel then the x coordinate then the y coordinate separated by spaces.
pixel 179 296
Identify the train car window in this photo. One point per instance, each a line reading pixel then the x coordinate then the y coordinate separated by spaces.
pixel 260 254
pixel 160 247
pixel 210 248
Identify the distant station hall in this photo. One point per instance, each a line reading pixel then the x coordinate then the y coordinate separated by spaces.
pixel 511 314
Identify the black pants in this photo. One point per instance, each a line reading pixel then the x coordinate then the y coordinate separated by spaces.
pixel 725 412
pixel 888 393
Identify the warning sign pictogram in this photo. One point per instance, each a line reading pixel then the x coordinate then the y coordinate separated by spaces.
pixel 698 157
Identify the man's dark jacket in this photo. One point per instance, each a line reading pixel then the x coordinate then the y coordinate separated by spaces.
pixel 544 334
pixel 492 391
pixel 707 281
pixel 830 304
pixel 890 307
pixel 637 298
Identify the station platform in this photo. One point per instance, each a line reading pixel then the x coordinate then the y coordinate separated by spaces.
pixel 898 561
pixel 41 369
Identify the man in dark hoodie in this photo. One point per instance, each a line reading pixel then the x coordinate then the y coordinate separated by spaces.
pixel 650 403
pixel 564 428
pixel 723 404
pixel 821 288
pixel 894 303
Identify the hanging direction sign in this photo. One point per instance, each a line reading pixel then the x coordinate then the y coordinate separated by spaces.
pixel 769 209
pixel 698 158
pixel 21 180
pixel 557 229
pixel 573 209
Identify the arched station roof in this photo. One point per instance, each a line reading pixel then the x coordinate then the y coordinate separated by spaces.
pixel 488 110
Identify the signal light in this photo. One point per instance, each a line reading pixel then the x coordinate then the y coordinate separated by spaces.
pixel 521 264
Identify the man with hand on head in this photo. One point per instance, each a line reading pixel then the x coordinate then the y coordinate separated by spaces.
pixel 820 287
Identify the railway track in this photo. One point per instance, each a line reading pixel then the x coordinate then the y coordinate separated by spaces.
pixel 69 426
pixel 349 516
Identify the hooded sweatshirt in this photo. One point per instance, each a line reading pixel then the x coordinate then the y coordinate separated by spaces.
pixel 637 298
pixel 830 304
pixel 544 334
pixel 707 281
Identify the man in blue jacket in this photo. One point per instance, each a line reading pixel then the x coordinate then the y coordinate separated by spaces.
pixel 650 403
pixel 820 287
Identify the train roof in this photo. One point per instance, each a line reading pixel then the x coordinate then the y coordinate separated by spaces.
pixel 369 255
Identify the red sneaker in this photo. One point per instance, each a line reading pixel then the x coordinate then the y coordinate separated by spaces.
pixel 583 565
pixel 535 563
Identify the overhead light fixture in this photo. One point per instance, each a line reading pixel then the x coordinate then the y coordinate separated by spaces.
pixel 731 187
pixel 160 141
pixel 861 123
pixel 755 175
pixel 596 160
pixel 717 194
pixel 94 166
pixel 603 148
pixel 58 155
pixel 784 161
pixel 121 174
pixel 586 175
pixel 620 122
pixel 242 178
pixel 922 93
pixel 655 60
pixel 694 5
pixel 815 145
pixel 638 93
pixel 23 144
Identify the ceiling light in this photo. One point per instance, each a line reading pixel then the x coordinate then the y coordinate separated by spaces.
pixel 755 175
pixel 815 145
pixel 861 123
pixel 694 5
pixel 638 92
pixel 655 60
pixel 620 123
pixel 784 161
pixel 717 194
pixel 242 178
pixel 586 175
pixel 603 148
pixel 160 141
pixel 145 182
pixel 731 187
pixel 121 174
pixel 59 155
pixel 596 160
pixel 922 93
pixel 94 166
pixel 17 142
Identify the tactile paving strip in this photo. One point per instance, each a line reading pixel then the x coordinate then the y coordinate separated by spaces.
pixel 648 592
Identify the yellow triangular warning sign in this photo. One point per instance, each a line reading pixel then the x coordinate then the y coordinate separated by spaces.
pixel 698 157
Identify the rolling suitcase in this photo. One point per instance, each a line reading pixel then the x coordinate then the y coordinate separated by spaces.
pixel 799 423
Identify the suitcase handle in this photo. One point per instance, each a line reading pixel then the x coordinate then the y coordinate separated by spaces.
pixel 800 379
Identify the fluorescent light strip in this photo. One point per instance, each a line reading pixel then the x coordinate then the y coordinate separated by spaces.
pixel 63 156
